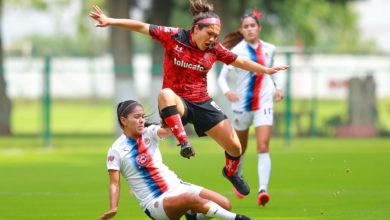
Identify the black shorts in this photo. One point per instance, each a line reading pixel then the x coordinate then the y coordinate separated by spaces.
pixel 203 115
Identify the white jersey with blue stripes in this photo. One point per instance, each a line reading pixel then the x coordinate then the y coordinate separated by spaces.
pixel 245 85
pixel 140 163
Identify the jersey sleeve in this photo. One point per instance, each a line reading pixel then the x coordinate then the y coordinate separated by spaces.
pixel 224 55
pixel 152 132
pixel 162 33
pixel 113 159
pixel 276 76
pixel 222 79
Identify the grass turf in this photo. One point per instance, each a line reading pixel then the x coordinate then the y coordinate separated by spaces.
pixel 311 179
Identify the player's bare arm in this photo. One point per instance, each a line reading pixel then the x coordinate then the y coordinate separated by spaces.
pixel 164 132
pixel 114 194
pixel 249 65
pixel 104 21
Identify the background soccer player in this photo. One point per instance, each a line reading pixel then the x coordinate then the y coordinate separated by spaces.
pixel 160 193
pixel 189 55
pixel 252 100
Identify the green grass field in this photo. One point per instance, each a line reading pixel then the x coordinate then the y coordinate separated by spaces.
pixel 311 179
pixel 314 178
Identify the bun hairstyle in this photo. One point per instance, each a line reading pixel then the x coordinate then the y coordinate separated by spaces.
pixel 201 9
pixel 125 108
pixel 233 38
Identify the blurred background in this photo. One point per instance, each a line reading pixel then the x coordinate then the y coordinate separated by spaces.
pixel 61 75
pixel 61 78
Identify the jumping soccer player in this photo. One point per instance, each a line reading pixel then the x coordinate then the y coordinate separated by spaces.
pixel 189 55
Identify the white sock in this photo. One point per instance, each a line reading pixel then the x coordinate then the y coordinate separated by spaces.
pixel 201 216
pixel 264 170
pixel 240 171
pixel 217 211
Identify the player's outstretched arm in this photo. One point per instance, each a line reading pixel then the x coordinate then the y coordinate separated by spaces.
pixel 164 132
pixel 104 21
pixel 249 65
pixel 114 195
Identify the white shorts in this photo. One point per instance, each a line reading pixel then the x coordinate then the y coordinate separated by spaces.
pixel 156 206
pixel 261 117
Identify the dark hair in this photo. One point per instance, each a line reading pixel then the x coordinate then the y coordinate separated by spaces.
pixel 125 108
pixel 201 9
pixel 233 38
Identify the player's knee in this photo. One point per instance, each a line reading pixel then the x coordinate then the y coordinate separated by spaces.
pixel 263 147
pixel 236 147
pixel 225 203
pixel 166 95
pixel 190 198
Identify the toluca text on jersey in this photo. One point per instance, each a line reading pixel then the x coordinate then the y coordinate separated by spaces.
pixel 181 63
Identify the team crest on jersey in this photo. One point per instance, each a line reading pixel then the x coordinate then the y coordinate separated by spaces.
pixel 142 159
pixel 110 158
pixel 147 141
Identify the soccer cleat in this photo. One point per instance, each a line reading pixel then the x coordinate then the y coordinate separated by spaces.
pixel 263 197
pixel 238 182
pixel 238 194
pixel 186 150
pixel 190 216
pixel 242 217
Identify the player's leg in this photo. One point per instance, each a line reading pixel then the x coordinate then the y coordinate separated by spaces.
pixel 263 135
pixel 243 137
pixel 263 120
pixel 224 134
pixel 172 108
pixel 177 206
pixel 241 123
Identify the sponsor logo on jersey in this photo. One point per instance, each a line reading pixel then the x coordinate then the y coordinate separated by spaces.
pixel 142 159
pixel 179 48
pixel 169 29
pixel 183 64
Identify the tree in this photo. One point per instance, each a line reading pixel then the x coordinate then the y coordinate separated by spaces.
pixel 5 102
pixel 122 51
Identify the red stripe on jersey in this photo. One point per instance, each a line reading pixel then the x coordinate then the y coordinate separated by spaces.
pixel 259 78
pixel 153 170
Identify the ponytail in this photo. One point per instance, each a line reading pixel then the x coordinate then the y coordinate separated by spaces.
pixel 201 9
pixel 232 39
pixel 200 6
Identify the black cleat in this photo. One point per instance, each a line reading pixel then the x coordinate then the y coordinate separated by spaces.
pixel 186 150
pixel 242 217
pixel 190 216
pixel 238 182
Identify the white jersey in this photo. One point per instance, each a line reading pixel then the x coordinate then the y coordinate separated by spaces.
pixel 255 91
pixel 140 163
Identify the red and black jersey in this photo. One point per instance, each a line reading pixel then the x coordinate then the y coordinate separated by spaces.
pixel 185 66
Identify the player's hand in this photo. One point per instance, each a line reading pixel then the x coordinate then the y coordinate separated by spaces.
pixel 276 69
pixel 109 214
pixel 278 95
pixel 232 96
pixel 100 17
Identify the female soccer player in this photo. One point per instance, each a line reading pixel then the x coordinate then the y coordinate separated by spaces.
pixel 161 194
pixel 189 55
pixel 252 102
